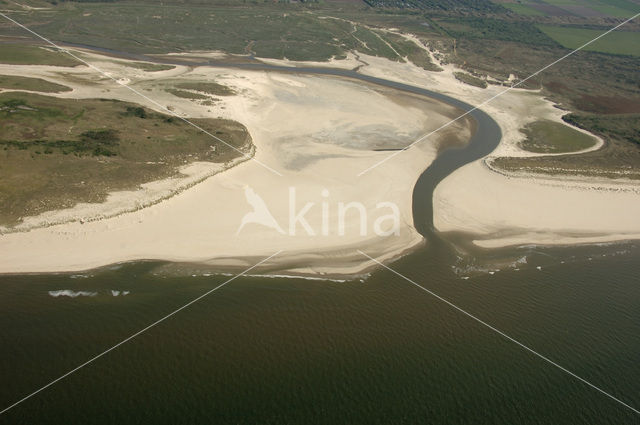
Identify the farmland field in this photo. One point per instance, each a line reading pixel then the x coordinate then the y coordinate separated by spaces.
pixel 617 43
pixel 581 8
pixel 614 8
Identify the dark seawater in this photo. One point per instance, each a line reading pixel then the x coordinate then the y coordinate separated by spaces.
pixel 298 351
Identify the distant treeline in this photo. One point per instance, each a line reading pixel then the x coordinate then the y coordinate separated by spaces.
pixel 485 6
pixel 81 1
pixel 495 29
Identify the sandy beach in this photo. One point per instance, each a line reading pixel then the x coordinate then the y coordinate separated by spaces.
pixel 318 133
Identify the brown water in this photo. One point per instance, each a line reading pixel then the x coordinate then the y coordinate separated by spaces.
pixel 298 351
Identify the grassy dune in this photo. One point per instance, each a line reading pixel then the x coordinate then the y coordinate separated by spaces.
pixel 57 152
pixel 470 79
pixel 618 158
pixel 207 87
pixel 12 82
pixel 552 137
pixel 24 54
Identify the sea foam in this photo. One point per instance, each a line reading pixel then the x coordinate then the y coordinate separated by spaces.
pixel 72 294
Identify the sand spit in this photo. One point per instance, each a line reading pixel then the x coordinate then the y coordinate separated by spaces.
pixel 504 210
pixel 318 132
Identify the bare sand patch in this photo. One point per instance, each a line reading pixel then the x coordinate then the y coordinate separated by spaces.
pixel 318 132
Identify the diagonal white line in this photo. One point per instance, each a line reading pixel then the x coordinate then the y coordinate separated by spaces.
pixel 137 333
pixel 546 359
pixel 421 138
pixel 165 109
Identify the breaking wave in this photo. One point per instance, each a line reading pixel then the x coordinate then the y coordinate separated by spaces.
pixel 72 294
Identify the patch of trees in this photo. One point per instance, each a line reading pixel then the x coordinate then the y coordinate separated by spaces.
pixel 484 6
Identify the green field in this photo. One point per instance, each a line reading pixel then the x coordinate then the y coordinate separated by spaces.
pixel 613 8
pixel 12 82
pixel 617 43
pixel 552 137
pixel 24 54
pixel 57 152
pixel 583 8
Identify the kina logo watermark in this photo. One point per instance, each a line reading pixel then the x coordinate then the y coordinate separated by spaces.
pixel 322 217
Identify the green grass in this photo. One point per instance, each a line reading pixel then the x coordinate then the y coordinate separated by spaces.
pixel 552 137
pixel 616 12
pixel 57 152
pixel 32 84
pixel 271 30
pixel 617 43
pixel 274 30
pixel 374 44
pixel 470 79
pixel 614 8
pixel 411 51
pixel 184 94
pixel 522 9
pixel 24 54
pixel 618 158
pixel 149 67
pixel 207 87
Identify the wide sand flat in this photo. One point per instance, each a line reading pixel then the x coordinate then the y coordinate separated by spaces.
pixel 500 211
pixel 317 132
